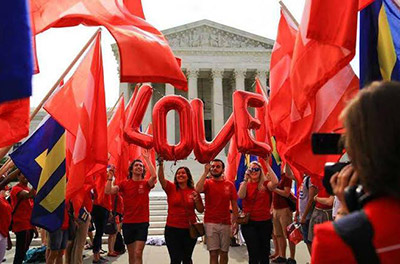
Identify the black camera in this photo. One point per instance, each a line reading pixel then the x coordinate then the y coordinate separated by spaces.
pixel 330 169
pixel 327 143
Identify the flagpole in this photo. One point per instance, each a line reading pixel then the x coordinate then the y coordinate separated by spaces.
pixel 4 150
pixel 57 83
pixel 112 109
pixel 284 7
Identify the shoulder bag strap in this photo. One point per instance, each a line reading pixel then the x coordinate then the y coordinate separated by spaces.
pixel 357 232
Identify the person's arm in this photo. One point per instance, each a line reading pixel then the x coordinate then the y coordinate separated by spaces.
pixel 161 176
pixel 285 192
pixel 110 187
pixel 26 195
pixel 198 203
pixel 273 179
pixel 325 201
pixel 312 192
pixel 202 180
pixel 153 176
pixel 235 211
pixel 243 187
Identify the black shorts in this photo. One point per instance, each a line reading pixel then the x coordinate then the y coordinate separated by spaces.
pixel 135 232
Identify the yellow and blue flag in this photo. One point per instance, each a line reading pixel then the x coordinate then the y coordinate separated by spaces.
pixel 380 42
pixel 41 158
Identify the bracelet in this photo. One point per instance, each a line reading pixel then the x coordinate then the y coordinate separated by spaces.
pixel 109 179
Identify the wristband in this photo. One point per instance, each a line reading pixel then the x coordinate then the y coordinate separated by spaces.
pixel 109 179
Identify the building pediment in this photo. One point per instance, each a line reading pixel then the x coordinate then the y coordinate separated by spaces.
pixel 206 34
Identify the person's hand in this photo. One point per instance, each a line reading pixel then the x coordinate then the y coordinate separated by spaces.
pixel 302 220
pixel 340 180
pixel 246 177
pixel 160 161
pixel 207 167
pixel 195 196
pixel 145 153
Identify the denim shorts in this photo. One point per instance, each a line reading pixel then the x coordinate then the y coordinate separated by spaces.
pixel 58 239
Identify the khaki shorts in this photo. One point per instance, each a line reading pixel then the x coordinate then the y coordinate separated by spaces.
pixel 218 236
pixel 281 218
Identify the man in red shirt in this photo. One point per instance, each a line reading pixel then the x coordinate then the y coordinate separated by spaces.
pixel 22 204
pixel 135 193
pixel 219 195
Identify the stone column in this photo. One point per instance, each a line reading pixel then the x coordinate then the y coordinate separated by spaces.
pixel 240 75
pixel 169 90
pixel 218 101
pixel 124 88
pixel 262 76
pixel 192 75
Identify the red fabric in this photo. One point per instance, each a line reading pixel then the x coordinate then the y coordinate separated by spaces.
pixel 5 219
pixel 279 106
pixel 22 216
pixel 260 208
pixel 136 200
pixel 322 193
pixel 135 7
pixel 327 46
pixel 178 216
pixel 79 106
pixel 88 201
pixel 103 201
pixel 218 200
pixel 279 202
pixel 383 213
pixel 120 206
pixel 145 55
pixel 363 3
pixel 65 223
pixel 232 161
pixel 14 121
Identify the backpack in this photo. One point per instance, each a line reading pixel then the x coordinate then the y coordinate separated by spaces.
pixel 36 255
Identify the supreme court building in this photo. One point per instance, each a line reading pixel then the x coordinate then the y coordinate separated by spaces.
pixel 217 60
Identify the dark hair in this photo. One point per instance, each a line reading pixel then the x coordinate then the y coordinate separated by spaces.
pixel 131 167
pixel 190 183
pixel 218 160
pixel 372 123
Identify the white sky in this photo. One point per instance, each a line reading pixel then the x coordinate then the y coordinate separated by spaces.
pixel 57 47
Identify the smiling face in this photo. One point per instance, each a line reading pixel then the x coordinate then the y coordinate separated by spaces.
pixel 181 176
pixel 137 168
pixel 255 172
pixel 216 169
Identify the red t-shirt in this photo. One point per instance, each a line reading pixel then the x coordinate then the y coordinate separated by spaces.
pixel 180 206
pixel 384 215
pixel 136 200
pixel 22 216
pixel 257 202
pixel 322 193
pixel 119 208
pixel 279 201
pixel 218 196
pixel 5 219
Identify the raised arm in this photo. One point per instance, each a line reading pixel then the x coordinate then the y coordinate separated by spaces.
pixel 243 187
pixel 271 176
pixel 110 187
pixel 161 176
pixel 26 195
pixel 152 170
pixel 202 180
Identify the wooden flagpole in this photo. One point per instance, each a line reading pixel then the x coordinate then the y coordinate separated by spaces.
pixel 284 7
pixel 112 109
pixel 4 150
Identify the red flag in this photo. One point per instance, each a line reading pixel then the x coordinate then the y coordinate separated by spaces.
pixel 322 49
pixel 14 121
pixel 135 7
pixel 115 130
pixel 321 116
pixel 145 55
pixel 152 152
pixel 79 106
pixel 279 106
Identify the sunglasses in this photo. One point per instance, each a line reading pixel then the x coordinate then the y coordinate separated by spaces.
pixel 254 169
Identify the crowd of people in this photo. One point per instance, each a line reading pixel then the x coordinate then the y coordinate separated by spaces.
pixel 124 206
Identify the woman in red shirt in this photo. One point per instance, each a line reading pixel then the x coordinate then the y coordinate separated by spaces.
pixel 255 191
pixel 182 201
pixel 372 141
pixel 5 220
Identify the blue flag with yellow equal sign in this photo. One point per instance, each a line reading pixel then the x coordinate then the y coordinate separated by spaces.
pixel 41 158
pixel 380 42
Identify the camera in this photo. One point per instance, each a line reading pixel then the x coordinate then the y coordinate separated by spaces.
pixel 327 143
pixel 330 169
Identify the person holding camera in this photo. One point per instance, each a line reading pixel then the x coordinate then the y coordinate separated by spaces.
pixel 255 191
pixel 370 186
pixel 182 201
